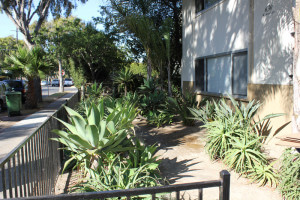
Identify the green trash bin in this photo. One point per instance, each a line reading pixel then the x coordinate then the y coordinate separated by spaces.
pixel 14 103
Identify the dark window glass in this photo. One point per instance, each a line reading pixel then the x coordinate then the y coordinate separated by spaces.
pixel 199 75
pixel 209 3
pixel 199 5
pixel 203 4
pixel 240 71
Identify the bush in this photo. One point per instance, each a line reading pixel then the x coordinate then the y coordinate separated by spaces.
pixel 180 106
pixel 290 175
pixel 234 137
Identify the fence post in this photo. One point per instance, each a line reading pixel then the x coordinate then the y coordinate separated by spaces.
pixel 225 188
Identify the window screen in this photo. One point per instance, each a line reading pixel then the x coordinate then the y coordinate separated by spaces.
pixel 218 75
pixel 240 72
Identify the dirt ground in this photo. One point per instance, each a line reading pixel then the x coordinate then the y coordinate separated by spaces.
pixel 6 122
pixel 183 160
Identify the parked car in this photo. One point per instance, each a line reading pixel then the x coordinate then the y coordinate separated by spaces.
pixel 68 82
pixel 2 96
pixel 18 86
pixel 43 83
pixel 55 82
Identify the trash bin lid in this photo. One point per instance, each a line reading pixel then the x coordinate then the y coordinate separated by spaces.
pixel 12 92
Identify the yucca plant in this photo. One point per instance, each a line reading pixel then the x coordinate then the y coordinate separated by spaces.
pixel 124 79
pixel 290 175
pixel 91 136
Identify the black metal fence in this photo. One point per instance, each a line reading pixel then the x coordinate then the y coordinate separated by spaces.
pixel 223 183
pixel 31 169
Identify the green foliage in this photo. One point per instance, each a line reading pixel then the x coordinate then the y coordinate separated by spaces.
pixel 139 68
pixel 159 118
pixel 152 98
pixel 94 91
pixel 205 113
pixel 264 174
pixel 233 136
pixel 124 80
pixel 91 136
pixel 77 74
pixel 115 174
pixel 180 106
pixel 290 175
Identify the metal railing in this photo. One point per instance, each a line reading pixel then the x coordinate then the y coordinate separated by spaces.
pixel 31 169
pixel 223 183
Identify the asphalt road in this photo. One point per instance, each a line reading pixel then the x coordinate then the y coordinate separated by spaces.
pixel 53 90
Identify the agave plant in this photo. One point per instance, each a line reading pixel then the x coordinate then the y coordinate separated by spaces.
pixel 91 136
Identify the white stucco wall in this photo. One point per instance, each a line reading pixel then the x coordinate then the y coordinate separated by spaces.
pixel 222 28
pixel 273 43
pixel 225 28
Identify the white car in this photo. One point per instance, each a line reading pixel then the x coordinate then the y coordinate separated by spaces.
pixel 43 83
pixel 68 82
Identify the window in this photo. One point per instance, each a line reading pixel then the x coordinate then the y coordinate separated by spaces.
pixel 203 4
pixel 222 74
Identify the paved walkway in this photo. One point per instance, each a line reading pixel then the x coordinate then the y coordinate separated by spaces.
pixel 11 137
pixel 184 160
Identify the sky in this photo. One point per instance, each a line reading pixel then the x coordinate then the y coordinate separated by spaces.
pixel 86 12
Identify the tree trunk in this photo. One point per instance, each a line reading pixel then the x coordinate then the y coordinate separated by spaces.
pixel 61 84
pixel 38 89
pixel 296 70
pixel 149 67
pixel 31 100
pixel 169 79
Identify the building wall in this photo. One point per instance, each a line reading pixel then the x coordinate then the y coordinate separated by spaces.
pixel 264 30
pixel 220 29
pixel 273 42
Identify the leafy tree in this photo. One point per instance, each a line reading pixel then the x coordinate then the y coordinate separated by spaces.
pixel 32 64
pixel 142 23
pixel 8 44
pixel 22 12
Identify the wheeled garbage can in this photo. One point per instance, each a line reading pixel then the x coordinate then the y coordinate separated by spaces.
pixel 13 102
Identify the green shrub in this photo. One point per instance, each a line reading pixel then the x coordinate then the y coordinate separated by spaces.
pixel 94 92
pixel 234 136
pixel 159 118
pixel 180 106
pixel 290 175
pixel 205 113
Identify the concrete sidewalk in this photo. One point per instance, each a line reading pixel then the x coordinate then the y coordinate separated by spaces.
pixel 15 135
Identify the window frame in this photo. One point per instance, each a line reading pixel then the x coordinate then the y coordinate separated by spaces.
pixel 205 76
pixel 202 5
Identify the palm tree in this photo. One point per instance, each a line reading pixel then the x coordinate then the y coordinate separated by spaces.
pixel 124 78
pixel 32 63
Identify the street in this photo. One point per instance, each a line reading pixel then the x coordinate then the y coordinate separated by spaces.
pixel 53 90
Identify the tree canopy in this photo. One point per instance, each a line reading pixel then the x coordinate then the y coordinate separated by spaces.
pixel 23 12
